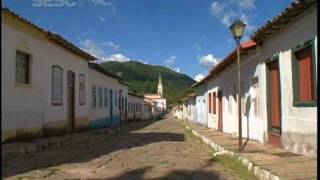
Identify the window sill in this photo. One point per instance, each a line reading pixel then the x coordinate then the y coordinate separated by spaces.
pixel 23 85
pixel 305 104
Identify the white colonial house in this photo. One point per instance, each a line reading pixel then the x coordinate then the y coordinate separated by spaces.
pixel 44 81
pixel 278 84
pixel 135 107
pixel 108 97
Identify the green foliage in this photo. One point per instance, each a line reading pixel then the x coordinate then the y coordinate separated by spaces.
pixel 143 78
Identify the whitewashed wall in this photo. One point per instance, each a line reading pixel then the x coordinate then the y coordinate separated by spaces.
pixel 101 115
pixel 28 108
pixel 298 123
pixel 22 106
pixel 201 104
pixel 138 115
pixel 299 128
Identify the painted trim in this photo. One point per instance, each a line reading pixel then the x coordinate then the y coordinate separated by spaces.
pixel 29 69
pixel 295 75
pixel 105 122
pixel 268 91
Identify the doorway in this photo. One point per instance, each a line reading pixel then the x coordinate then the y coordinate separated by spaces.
pixel 219 111
pixel 71 99
pixel 274 104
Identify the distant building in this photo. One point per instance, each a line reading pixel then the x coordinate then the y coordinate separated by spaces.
pixel 161 101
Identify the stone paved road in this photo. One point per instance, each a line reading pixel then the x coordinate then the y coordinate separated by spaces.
pixel 143 150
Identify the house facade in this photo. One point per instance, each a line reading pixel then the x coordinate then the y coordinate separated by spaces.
pixel 278 84
pixel 42 93
pixel 108 96
pixel 135 107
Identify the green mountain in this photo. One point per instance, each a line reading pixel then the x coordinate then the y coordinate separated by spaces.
pixel 143 78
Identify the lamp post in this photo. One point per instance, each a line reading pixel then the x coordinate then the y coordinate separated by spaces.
pixel 237 29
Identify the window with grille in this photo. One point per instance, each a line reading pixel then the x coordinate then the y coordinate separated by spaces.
pixel 82 90
pixel 94 96
pixel 57 86
pixel 22 68
pixel 255 96
pixel 303 74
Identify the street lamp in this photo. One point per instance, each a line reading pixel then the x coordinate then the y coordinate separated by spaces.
pixel 237 29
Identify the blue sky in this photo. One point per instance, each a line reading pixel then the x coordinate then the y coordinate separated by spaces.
pixel 189 36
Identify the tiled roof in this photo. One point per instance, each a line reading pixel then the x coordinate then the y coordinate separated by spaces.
pixel 134 94
pixel 285 17
pixel 192 95
pixel 52 36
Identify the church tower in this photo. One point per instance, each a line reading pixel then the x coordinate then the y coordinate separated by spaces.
pixel 160 88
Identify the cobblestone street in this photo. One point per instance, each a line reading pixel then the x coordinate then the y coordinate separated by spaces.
pixel 142 150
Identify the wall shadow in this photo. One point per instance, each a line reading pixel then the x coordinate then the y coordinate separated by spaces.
pixel 138 174
pixel 247 114
pixel 96 145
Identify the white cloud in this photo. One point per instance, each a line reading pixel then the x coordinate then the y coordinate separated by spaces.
pixel 118 57
pixel 144 62
pixel 208 61
pixel 199 77
pixel 177 70
pixel 102 19
pixel 170 61
pixel 247 4
pixel 112 45
pixel 98 51
pixel 216 8
pixel 227 11
pixel 197 46
pixel 94 48
pixel 228 17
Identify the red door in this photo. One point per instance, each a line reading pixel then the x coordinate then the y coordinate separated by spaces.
pixel 220 111
pixel 274 104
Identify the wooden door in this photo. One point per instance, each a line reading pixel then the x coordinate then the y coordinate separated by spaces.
pixel 71 99
pixel 274 105
pixel 220 111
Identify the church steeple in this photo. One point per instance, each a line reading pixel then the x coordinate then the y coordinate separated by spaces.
pixel 160 88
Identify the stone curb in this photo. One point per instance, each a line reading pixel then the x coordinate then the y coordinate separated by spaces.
pixel 258 171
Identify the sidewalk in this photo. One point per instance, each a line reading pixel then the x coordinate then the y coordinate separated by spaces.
pixel 265 161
